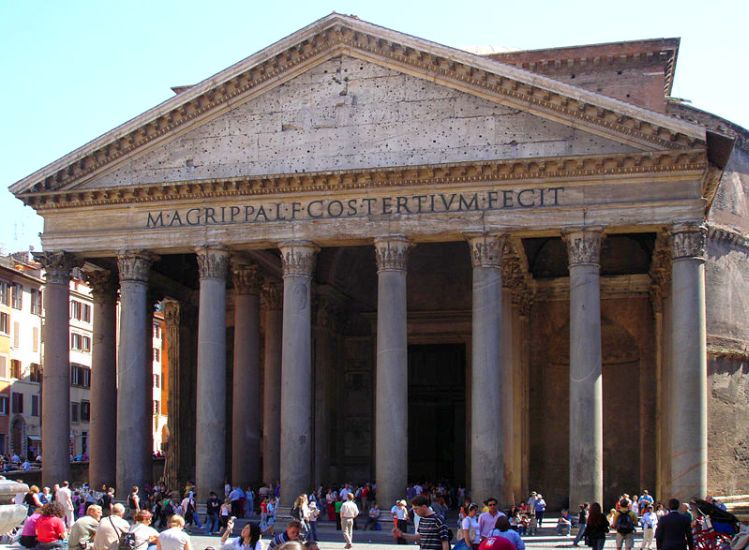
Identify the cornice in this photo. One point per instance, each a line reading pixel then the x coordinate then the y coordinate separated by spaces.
pixel 722 234
pixel 338 35
pixel 502 171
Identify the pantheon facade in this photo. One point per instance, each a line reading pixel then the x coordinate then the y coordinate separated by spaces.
pixel 384 259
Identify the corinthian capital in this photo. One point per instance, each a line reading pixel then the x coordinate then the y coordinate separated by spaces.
pixel 213 262
pixel 689 240
pixel 298 258
pixel 272 296
pixel 57 265
pixel 135 266
pixel 392 253
pixel 246 279
pixel 584 245
pixel 486 249
pixel 102 283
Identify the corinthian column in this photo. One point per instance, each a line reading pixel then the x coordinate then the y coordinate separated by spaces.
pixel 688 416
pixel 488 456
pixel 273 303
pixel 391 398
pixel 56 372
pixel 213 264
pixel 586 384
pixel 103 447
pixel 134 386
pixel 298 259
pixel 245 456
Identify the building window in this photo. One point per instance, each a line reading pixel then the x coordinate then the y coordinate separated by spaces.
pixel 17 403
pixel 16 334
pixel 80 311
pixel 35 372
pixel 4 293
pixel 156 380
pixel 156 331
pixel 79 342
pixel 80 376
pixel 36 301
pixel 35 339
pixel 15 369
pixel 3 366
pixel 75 411
pixel 85 411
pixel 156 407
pixel 84 443
pixel 157 355
pixel 3 405
pixel 4 323
pixel 17 301
pixel 34 405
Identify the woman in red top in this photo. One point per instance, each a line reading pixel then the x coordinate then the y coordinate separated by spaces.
pixel 50 529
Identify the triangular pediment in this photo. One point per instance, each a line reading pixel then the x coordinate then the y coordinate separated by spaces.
pixel 226 112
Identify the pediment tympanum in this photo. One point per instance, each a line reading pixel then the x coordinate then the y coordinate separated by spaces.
pixel 347 114
pixel 220 111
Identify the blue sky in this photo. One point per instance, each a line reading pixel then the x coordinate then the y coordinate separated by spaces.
pixel 73 70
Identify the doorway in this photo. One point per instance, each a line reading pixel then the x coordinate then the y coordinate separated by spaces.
pixel 436 412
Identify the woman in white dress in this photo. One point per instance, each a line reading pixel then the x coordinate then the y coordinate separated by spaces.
pixel 174 538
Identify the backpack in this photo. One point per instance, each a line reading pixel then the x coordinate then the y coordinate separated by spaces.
pixel 624 523
pixel 126 540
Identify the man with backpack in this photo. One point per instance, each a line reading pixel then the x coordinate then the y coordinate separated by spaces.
pixel 624 525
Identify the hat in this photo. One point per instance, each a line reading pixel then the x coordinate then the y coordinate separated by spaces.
pixel 313 504
pixel 401 502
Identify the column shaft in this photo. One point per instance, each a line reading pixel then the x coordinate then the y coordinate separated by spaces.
pixel 210 456
pixel 391 399
pixel 245 458
pixel 586 384
pixel 689 367
pixel 56 372
pixel 273 301
pixel 103 424
pixel 298 259
pixel 488 410
pixel 134 389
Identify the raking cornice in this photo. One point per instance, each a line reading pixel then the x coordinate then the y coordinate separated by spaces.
pixel 338 35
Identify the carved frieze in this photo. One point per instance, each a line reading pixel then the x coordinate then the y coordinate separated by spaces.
pixel 391 253
pixel 486 250
pixel 135 266
pixel 689 240
pixel 583 246
pixel 298 258
pixel 57 265
pixel 272 296
pixel 213 262
pixel 246 279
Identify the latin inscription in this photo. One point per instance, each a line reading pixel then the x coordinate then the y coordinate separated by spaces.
pixel 399 205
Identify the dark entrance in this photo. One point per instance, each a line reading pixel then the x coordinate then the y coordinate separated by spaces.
pixel 436 412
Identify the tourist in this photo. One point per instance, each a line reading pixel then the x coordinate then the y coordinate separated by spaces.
pixel 106 501
pixel 145 536
pixel 28 532
pixel 65 497
pixel 431 533
pixel 674 530
pixel 649 522
pixel 582 519
pixel 312 515
pixel 189 512
pixel 488 519
pixel 83 531
pixel 212 511
pixel 596 527
pixel 291 533
pixel 337 505
pixel 470 527
pixel 174 538
pixel 111 529
pixel 644 501
pixel 300 511
pixel 400 518
pixel 624 523
pixel 31 500
pixel 540 507
pixel 503 529
pixel 373 518
pixel 133 501
pixel 564 524
pixel 50 528
pixel 249 539
pixel 45 496
pixel 349 513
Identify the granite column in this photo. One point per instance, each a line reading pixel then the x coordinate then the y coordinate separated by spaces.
pixel 391 397
pixel 273 305
pixel 488 366
pixel 56 372
pixel 586 383
pixel 688 416
pixel 245 456
pixel 210 448
pixel 298 260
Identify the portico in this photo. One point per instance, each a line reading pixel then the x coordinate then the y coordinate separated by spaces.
pixel 455 200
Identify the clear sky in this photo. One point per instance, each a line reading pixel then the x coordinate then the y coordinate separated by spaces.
pixel 72 69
